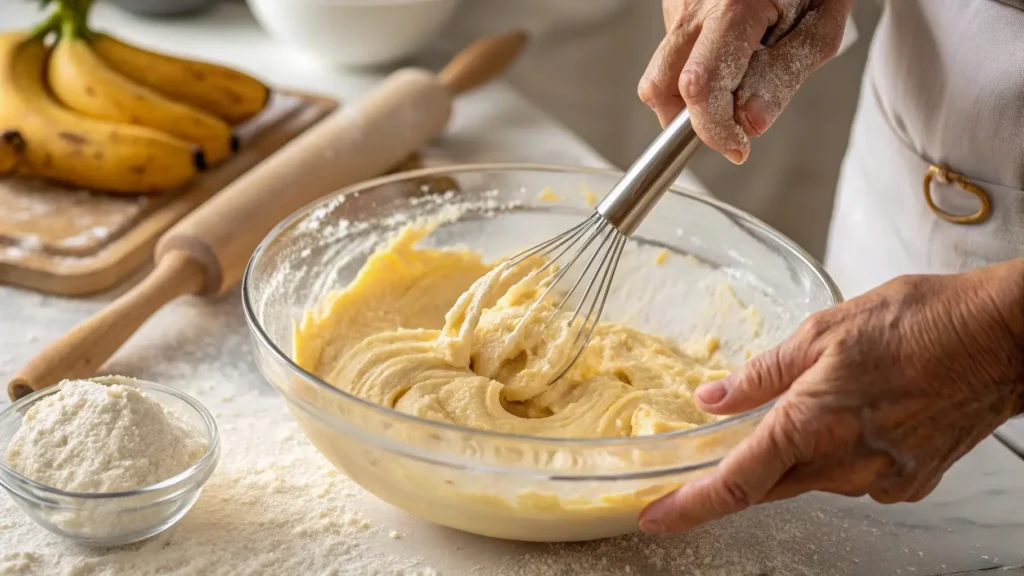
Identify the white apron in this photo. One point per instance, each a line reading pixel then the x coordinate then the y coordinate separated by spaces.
pixel 944 88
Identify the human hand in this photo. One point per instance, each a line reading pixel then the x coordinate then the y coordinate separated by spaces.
pixel 712 62
pixel 879 395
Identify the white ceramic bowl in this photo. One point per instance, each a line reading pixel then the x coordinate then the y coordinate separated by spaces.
pixel 354 33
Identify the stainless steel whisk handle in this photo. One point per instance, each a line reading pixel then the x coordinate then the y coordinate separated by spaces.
pixel 634 196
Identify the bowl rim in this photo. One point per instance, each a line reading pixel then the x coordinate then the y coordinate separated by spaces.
pixel 208 458
pixel 257 329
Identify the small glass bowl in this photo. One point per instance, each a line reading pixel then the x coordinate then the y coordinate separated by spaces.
pixel 113 518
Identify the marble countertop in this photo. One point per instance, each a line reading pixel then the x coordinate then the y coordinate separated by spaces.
pixel 973 522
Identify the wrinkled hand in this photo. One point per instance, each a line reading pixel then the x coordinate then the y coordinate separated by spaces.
pixel 712 61
pixel 879 395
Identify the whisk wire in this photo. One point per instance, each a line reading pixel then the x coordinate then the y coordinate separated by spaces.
pixel 590 285
pixel 606 272
pixel 565 269
pixel 543 249
pixel 615 219
pixel 594 278
pixel 579 233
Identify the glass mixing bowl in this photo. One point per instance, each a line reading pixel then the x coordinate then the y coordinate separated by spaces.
pixel 691 252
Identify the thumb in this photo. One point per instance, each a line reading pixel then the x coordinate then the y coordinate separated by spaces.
pixel 742 479
pixel 756 382
pixel 775 73
pixel 715 69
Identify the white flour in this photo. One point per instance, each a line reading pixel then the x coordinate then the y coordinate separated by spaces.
pixel 273 506
pixel 90 437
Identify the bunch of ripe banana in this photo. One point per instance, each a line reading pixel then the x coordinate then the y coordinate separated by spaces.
pixel 92 111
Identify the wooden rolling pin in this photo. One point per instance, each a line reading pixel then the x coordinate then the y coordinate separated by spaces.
pixel 206 252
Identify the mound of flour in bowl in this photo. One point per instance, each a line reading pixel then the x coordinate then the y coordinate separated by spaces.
pixel 92 437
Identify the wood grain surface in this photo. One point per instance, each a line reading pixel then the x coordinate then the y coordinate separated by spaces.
pixel 69 241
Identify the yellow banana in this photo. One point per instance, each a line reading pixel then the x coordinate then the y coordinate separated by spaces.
pixel 83 82
pixel 228 94
pixel 12 146
pixel 78 150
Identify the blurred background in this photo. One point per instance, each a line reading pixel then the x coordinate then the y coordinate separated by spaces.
pixel 581 67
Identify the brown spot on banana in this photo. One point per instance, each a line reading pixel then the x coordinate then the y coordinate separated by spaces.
pixel 13 139
pixel 14 146
pixel 72 138
pixel 199 159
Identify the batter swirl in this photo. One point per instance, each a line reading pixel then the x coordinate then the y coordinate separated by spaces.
pixel 433 333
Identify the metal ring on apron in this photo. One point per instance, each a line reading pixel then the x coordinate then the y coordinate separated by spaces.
pixel 946 176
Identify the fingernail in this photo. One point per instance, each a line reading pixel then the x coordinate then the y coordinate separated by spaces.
pixel 691 80
pixel 734 156
pixel 711 393
pixel 652 527
pixel 757 115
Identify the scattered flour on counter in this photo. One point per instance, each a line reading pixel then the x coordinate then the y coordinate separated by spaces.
pixel 795 538
pixel 273 506
pixel 91 437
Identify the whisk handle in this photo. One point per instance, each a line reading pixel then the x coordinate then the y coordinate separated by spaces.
pixel 634 196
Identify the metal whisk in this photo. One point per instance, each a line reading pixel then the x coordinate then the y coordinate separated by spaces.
pixel 604 233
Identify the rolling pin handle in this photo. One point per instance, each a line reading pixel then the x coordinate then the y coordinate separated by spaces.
pixel 482 61
pixel 84 349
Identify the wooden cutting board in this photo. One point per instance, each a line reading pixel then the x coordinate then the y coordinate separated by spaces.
pixel 69 241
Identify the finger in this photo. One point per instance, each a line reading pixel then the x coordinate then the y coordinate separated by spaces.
pixel 924 489
pixel 890 494
pixel 742 479
pixel 659 86
pixel 672 13
pixel 790 12
pixel 909 488
pixel 775 73
pixel 759 380
pixel 846 479
pixel 714 70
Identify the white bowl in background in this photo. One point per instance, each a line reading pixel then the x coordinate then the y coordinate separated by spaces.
pixel 354 33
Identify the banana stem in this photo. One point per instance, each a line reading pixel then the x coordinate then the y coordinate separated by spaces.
pixel 74 16
pixel 51 24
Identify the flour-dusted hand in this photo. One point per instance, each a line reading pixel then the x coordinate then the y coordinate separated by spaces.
pixel 736 63
pixel 879 395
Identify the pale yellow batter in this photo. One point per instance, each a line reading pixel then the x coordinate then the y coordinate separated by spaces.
pixel 444 336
